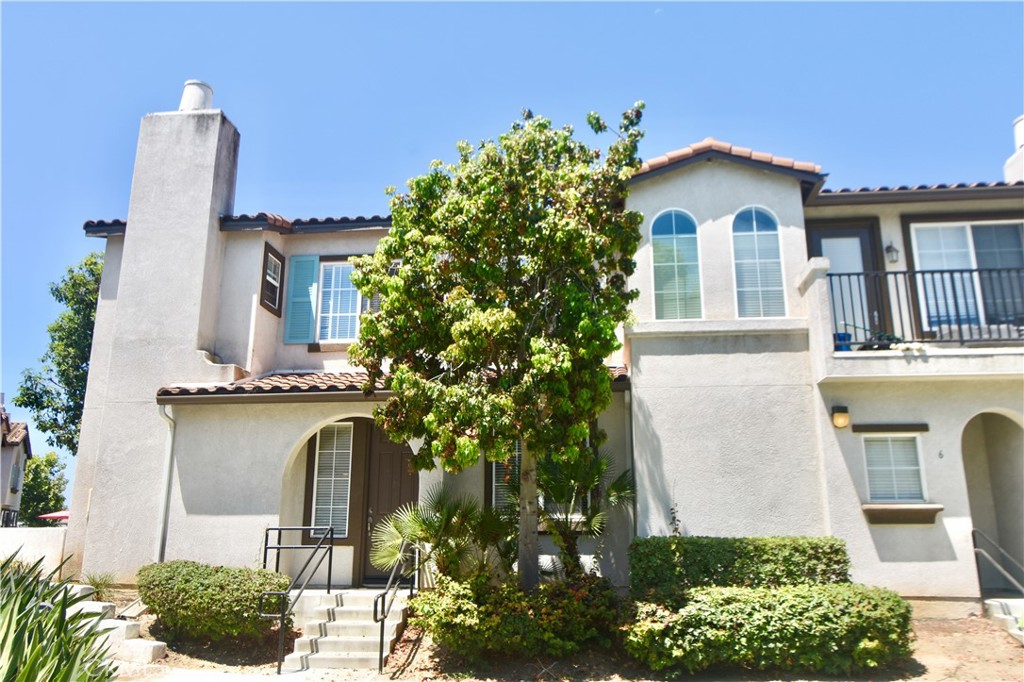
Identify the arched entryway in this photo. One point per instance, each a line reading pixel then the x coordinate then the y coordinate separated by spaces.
pixel 349 475
pixel 993 455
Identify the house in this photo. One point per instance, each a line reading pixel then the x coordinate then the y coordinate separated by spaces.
pixel 15 450
pixel 802 361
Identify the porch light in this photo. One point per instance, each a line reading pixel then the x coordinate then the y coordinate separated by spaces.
pixel 892 254
pixel 840 416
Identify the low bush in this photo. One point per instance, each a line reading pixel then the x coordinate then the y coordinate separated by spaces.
pixel 831 629
pixel 208 603
pixel 557 619
pixel 660 567
pixel 39 640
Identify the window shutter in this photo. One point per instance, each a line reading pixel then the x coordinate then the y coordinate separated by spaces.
pixel 299 319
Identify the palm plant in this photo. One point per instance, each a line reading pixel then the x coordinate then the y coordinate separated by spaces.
pixel 39 639
pixel 576 498
pixel 447 530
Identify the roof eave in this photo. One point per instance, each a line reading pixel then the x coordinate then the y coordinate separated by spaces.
pixel 905 196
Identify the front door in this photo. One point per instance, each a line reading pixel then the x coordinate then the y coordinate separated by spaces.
pixel 391 483
pixel 858 291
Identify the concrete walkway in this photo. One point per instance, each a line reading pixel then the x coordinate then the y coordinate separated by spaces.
pixel 132 672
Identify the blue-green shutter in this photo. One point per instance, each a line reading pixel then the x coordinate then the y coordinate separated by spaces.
pixel 300 317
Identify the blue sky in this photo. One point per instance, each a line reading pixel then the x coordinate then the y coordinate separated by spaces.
pixel 335 101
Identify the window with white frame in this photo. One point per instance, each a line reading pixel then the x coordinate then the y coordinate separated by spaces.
pixel 332 474
pixel 970 272
pixel 676 266
pixel 894 469
pixel 505 484
pixel 338 312
pixel 755 239
pixel 273 276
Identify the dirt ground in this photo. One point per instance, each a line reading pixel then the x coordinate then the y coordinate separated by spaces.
pixel 968 649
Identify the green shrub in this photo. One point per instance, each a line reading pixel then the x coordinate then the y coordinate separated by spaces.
pixel 208 603
pixel 661 567
pixel 38 639
pixel 103 583
pixel 833 629
pixel 556 619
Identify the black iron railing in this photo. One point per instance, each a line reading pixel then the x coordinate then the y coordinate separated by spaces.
pixel 382 603
pixel 1010 568
pixel 285 600
pixel 877 309
pixel 8 518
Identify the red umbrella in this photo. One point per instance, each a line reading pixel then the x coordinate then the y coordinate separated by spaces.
pixel 55 516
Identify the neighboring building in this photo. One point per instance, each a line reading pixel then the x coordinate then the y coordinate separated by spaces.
pixel 15 450
pixel 221 401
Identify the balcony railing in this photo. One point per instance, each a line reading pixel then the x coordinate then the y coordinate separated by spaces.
pixel 878 309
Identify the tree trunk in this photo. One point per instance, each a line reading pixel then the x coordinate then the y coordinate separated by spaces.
pixel 529 561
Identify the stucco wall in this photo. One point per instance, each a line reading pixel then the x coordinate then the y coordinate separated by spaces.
pixel 33 544
pixel 917 559
pixel 712 192
pixel 724 431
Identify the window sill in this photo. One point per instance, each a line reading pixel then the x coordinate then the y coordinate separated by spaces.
pixel 891 513
pixel 751 325
pixel 332 347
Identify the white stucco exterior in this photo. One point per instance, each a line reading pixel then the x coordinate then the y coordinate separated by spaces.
pixel 725 421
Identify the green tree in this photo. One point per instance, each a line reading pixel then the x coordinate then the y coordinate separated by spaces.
pixel 42 491
pixel 56 392
pixel 512 281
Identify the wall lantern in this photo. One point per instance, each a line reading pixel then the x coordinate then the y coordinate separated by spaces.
pixel 892 254
pixel 840 416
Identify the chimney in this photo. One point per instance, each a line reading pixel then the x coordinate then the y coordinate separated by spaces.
pixel 196 96
pixel 1013 170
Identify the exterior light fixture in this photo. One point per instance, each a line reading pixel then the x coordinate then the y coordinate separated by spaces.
pixel 892 254
pixel 840 416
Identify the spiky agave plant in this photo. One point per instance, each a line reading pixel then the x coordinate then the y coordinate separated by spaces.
pixel 39 639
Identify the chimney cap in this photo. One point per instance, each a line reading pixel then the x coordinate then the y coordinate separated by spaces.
pixel 196 96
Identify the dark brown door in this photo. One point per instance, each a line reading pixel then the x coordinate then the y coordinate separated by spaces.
pixel 391 483
pixel 858 285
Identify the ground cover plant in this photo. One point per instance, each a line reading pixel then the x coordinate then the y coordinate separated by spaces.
pixel 209 603
pixel 39 640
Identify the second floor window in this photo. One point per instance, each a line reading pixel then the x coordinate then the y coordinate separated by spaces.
pixel 676 266
pixel 338 311
pixel 755 238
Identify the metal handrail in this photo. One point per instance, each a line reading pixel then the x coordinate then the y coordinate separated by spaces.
pixel 380 615
pixel 285 605
pixel 975 532
pixel 982 553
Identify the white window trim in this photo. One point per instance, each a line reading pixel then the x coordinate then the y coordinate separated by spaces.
pixel 540 497
pixel 920 467
pixel 732 264
pixel 316 462
pixel 700 269
pixel 324 264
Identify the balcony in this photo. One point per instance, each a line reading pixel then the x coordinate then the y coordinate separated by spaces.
pixel 920 325
pixel 950 308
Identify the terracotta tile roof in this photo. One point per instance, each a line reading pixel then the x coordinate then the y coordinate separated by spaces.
pixel 301 383
pixel 13 433
pixel 918 188
pixel 710 145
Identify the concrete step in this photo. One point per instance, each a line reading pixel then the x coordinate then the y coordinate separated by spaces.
pixel 139 651
pixel 1007 614
pixel 117 631
pixel 368 645
pixel 348 629
pixel 100 608
pixel 333 660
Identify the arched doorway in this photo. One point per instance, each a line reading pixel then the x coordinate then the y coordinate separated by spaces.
pixel 348 475
pixel 993 455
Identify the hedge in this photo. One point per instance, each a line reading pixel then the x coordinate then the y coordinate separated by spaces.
pixel 208 603
pixel 556 619
pixel 833 629
pixel 660 567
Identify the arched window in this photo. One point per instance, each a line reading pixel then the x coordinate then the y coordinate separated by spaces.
pixel 676 269
pixel 755 239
